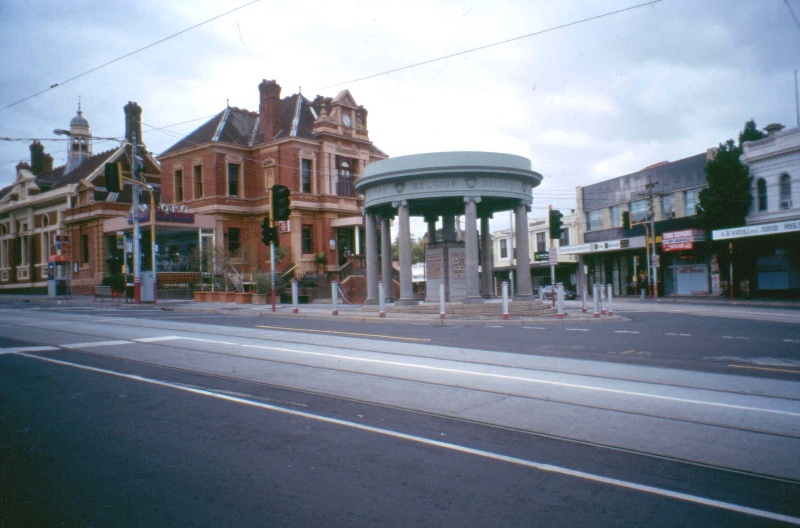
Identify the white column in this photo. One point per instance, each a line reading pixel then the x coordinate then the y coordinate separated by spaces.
pixel 404 237
pixel 386 257
pixel 486 263
pixel 471 247
pixel 372 260
pixel 524 284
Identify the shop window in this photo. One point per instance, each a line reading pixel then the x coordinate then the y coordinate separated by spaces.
pixel 308 241
pixel 233 240
pixel 761 188
pixel 541 243
pixel 306 171
pixel 198 181
pixel 691 201
pixel 640 210
pixel 594 220
pixel 344 177
pixel 178 185
pixel 233 179
pixel 668 206
pixel 786 191
pixel 616 216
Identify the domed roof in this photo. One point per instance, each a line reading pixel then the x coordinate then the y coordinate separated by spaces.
pixel 79 121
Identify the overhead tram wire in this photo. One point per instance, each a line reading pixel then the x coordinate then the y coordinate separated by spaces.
pixel 479 48
pixel 56 85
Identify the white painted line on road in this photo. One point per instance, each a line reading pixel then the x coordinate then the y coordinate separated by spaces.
pixel 17 350
pixel 96 344
pixel 736 337
pixel 502 376
pixel 533 328
pixel 576 329
pixel 625 332
pixel 791 340
pixel 679 335
pixel 157 339
pixel 494 326
pixel 549 468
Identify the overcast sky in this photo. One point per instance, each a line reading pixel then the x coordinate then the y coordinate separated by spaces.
pixel 586 102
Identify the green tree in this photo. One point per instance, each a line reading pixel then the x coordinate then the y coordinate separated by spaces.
pixel 417 249
pixel 726 200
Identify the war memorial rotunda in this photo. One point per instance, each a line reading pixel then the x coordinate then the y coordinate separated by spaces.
pixel 440 187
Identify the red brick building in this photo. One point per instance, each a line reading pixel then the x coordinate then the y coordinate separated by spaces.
pixel 223 171
pixel 63 221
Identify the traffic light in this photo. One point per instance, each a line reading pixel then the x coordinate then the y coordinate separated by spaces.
pixel 268 234
pixel 113 177
pixel 626 219
pixel 555 223
pixel 280 203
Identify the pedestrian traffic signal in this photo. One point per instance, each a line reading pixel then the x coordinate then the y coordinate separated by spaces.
pixel 555 223
pixel 269 235
pixel 113 177
pixel 280 203
pixel 626 219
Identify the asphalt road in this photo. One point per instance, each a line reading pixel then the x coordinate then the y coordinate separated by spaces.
pixel 182 420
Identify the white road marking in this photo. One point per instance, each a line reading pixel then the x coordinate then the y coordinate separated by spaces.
pixel 96 344
pixel 549 468
pixel 736 337
pixel 576 329
pixel 791 340
pixel 156 339
pixel 533 328
pixel 499 376
pixel 675 334
pixel 625 332
pixel 17 350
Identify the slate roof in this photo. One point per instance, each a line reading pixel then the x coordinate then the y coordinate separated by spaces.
pixel 237 126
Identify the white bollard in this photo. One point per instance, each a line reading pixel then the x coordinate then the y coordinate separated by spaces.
pixel 382 301
pixel 602 299
pixel 504 289
pixel 295 308
pixel 560 302
pixel 583 300
pixel 441 301
pixel 610 310
pixel 335 297
pixel 595 300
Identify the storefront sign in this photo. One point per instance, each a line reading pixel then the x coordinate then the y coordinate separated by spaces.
pixel 681 240
pixel 605 245
pixel 756 230
pixel 541 256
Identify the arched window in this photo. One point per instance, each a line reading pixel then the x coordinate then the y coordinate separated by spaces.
pixel 762 194
pixel 786 192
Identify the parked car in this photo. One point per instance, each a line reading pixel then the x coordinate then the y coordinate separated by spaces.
pixel 569 294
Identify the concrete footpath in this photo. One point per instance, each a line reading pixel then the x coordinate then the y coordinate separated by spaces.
pixel 357 313
pixel 361 313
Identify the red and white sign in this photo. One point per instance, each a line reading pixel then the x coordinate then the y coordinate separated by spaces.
pixel 681 240
pixel 284 226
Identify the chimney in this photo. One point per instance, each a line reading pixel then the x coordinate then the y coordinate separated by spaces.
pixel 133 122
pixel 269 109
pixel 37 158
pixel 48 164
pixel 773 128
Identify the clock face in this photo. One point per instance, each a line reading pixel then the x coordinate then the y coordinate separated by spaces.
pixel 346 120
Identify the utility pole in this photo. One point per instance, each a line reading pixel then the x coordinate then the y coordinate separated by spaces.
pixel 650 252
pixel 137 234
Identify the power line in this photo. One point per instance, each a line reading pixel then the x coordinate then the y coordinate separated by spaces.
pixel 537 33
pixel 56 85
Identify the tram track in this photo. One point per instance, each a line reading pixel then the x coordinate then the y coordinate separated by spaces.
pixel 252 394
